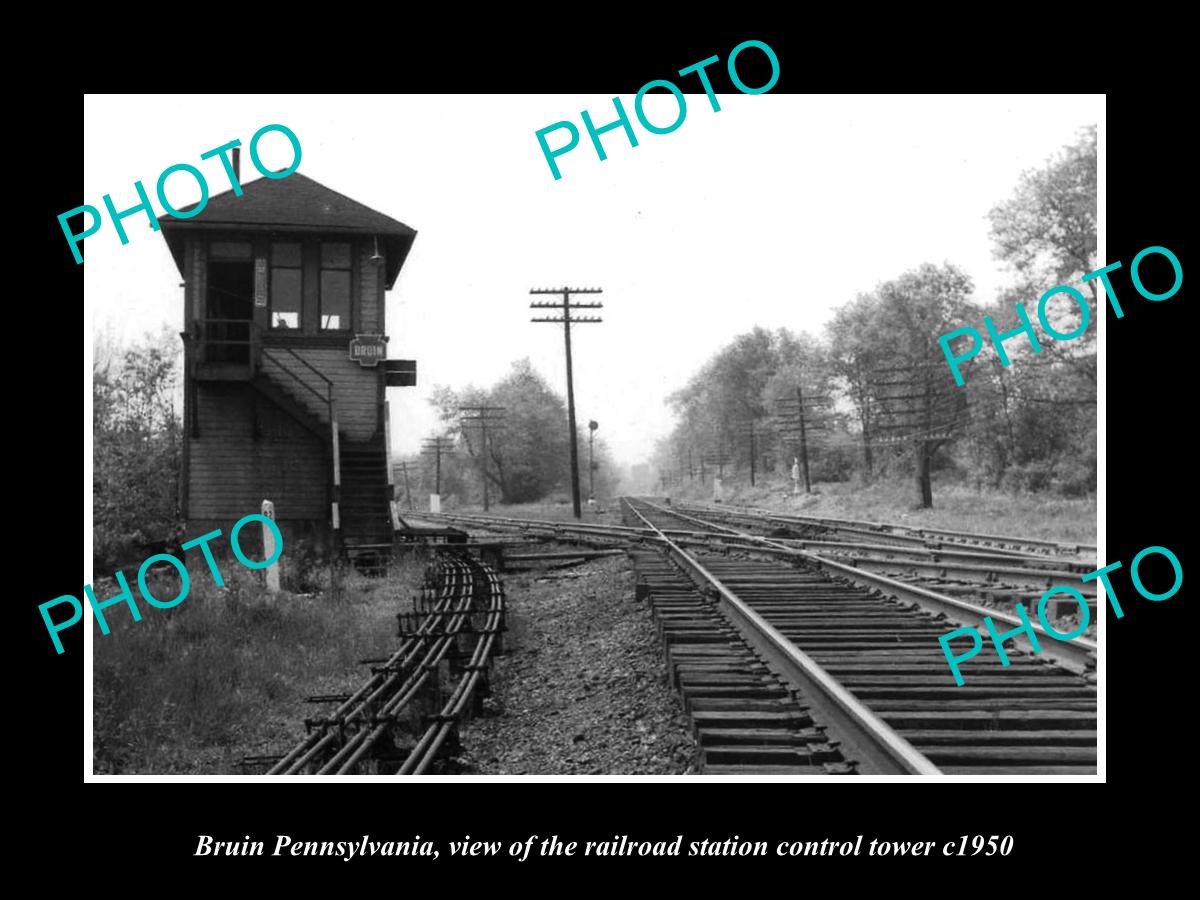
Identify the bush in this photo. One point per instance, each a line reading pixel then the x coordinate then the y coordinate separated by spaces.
pixel 137 450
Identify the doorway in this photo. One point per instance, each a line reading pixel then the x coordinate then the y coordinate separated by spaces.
pixel 230 310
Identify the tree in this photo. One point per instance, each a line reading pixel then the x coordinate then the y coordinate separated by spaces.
pixel 527 457
pixel 852 357
pixel 1047 232
pixel 136 448
pixel 723 407
pixel 798 393
pixel 1048 226
pixel 884 345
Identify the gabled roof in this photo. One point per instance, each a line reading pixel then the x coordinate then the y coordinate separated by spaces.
pixel 296 203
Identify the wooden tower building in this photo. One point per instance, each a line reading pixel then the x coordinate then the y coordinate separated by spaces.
pixel 286 361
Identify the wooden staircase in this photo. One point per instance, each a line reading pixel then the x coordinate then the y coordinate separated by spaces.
pixel 364 524
pixel 365 508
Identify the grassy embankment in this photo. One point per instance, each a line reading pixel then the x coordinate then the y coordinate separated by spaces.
pixel 955 507
pixel 193 689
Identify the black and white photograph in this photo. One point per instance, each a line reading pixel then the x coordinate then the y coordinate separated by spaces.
pixel 434 436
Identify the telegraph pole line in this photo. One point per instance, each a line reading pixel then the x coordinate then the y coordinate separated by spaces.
pixel 805 417
pixel 436 446
pixel 407 490
pixel 566 321
pixel 752 435
pixel 803 438
pixel 483 416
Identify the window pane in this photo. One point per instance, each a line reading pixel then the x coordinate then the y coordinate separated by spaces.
pixel 285 254
pixel 285 298
pixel 335 299
pixel 335 255
pixel 229 250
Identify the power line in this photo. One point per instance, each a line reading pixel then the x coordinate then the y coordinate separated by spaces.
pixel 435 446
pixel 566 320
pixel 483 416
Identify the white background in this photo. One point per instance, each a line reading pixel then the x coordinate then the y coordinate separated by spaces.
pixel 771 212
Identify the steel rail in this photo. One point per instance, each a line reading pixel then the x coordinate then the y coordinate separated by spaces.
pixel 374 706
pixel 876 746
pixel 896 529
pixel 1078 653
pixel 307 749
pixel 424 753
pixel 357 746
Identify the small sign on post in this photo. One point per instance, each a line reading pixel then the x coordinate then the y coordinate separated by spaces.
pixel 717 492
pixel 435 503
pixel 268 510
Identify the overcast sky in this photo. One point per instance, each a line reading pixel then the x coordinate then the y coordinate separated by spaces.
pixel 771 212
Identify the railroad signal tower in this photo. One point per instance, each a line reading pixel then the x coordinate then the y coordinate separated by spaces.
pixel 285 361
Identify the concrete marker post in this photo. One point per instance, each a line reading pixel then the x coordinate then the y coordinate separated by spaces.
pixel 268 510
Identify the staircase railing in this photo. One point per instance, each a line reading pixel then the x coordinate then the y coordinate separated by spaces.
pixel 223 340
pixel 325 396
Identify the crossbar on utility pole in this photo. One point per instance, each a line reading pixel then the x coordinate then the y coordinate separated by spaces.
pixel 483 416
pixel 436 446
pixel 566 321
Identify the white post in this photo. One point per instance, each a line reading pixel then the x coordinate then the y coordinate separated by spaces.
pixel 268 510
pixel 435 503
pixel 717 490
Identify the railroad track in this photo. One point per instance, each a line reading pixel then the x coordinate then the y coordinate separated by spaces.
pixel 400 718
pixel 841 676
pixel 1032 717
pixel 896 534
pixel 1001 577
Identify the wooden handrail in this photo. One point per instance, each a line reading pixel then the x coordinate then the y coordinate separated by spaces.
pixel 326 399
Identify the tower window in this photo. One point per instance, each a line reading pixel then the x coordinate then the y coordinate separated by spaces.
pixel 286 285
pixel 335 286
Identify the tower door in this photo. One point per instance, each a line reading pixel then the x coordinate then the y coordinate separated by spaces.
pixel 230 310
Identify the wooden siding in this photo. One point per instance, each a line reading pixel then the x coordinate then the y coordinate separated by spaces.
pixel 355 388
pixel 231 472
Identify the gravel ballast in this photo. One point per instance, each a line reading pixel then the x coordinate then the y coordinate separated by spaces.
pixel 582 686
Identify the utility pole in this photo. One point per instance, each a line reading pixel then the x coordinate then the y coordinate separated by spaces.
pixel 749 432
pixel 566 306
pixel 407 491
pixel 803 438
pixel 436 446
pixel 483 416
pixel 808 414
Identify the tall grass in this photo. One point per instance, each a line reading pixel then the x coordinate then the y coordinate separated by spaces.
pixel 956 507
pixel 223 675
